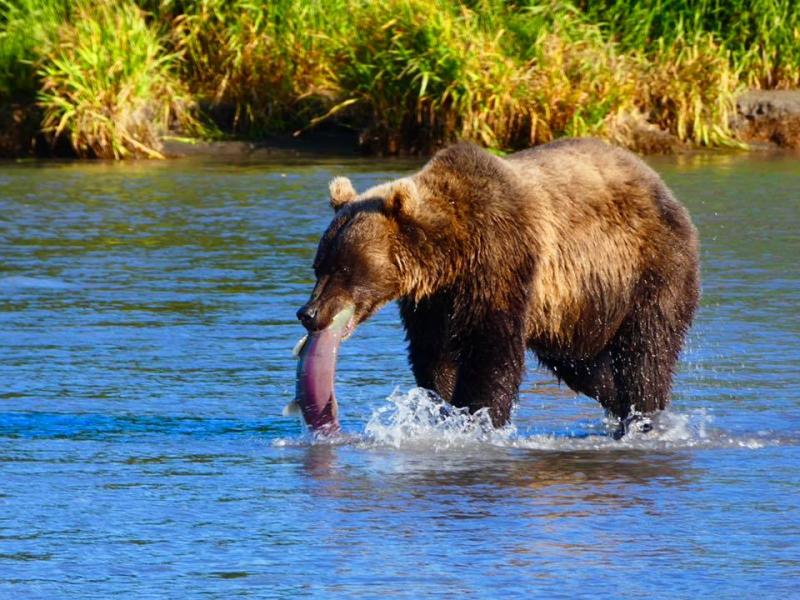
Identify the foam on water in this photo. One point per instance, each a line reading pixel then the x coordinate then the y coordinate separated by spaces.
pixel 23 282
pixel 417 420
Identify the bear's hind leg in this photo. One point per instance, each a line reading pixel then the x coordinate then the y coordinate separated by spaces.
pixel 643 357
pixel 593 378
pixel 645 350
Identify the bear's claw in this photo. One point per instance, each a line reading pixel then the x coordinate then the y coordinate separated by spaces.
pixel 636 424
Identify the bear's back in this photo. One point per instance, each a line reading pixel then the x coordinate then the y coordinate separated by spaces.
pixel 592 175
pixel 606 222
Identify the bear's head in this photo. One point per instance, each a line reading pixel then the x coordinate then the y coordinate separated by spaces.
pixel 360 259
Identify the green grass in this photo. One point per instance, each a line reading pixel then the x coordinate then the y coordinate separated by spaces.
pixel 762 36
pixel 410 74
pixel 424 73
pixel 109 83
pixel 27 30
pixel 269 61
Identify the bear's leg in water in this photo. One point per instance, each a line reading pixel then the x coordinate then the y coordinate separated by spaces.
pixel 643 357
pixel 593 378
pixel 645 350
pixel 491 364
pixel 432 360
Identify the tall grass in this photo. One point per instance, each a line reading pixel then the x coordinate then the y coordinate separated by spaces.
pixel 689 89
pixel 579 80
pixel 410 74
pixel 762 36
pixel 269 61
pixel 27 30
pixel 510 77
pixel 426 72
pixel 109 83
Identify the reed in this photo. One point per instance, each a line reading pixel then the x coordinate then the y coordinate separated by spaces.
pixel 411 74
pixel 270 62
pixel 690 90
pixel 762 37
pixel 109 83
pixel 424 73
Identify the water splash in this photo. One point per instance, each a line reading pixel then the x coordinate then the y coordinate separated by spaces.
pixel 417 419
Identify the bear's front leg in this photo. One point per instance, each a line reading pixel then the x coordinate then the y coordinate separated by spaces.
pixel 491 364
pixel 429 346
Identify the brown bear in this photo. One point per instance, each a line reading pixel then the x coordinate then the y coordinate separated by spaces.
pixel 575 249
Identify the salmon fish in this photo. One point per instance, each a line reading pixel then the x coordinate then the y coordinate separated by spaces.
pixel 316 372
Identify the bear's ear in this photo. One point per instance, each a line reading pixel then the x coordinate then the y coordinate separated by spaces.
pixel 342 192
pixel 402 199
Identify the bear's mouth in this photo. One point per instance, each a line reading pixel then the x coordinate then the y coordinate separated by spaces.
pixel 361 313
pixel 349 328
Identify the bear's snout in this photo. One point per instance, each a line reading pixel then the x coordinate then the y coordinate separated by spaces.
pixel 308 316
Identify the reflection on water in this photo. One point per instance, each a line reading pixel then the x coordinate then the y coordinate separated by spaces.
pixel 577 477
pixel 146 328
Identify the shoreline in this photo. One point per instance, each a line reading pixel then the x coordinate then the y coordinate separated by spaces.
pixel 765 120
pixel 769 117
pixel 328 141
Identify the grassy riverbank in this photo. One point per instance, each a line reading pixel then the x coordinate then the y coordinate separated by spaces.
pixel 409 74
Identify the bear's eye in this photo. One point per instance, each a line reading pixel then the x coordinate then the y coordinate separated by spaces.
pixel 345 270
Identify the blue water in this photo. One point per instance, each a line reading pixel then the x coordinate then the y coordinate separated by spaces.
pixel 146 329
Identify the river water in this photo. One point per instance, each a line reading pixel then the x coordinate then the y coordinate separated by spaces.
pixel 146 330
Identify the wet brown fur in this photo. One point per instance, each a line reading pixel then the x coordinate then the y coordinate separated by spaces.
pixel 574 250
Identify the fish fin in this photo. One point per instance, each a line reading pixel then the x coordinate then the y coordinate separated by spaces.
pixel 298 347
pixel 293 408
